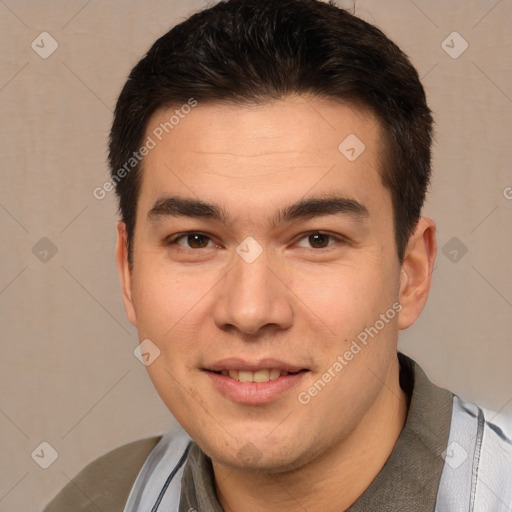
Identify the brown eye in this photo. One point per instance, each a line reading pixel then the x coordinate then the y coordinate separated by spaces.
pixel 197 241
pixel 318 240
pixel 191 241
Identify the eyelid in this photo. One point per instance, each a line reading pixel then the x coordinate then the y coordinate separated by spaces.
pixel 336 237
pixel 173 240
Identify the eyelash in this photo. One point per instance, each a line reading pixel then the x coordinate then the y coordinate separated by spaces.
pixel 173 241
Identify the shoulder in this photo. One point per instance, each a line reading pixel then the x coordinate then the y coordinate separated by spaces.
pixel 106 482
pixel 495 465
pixel 491 432
pixel 478 460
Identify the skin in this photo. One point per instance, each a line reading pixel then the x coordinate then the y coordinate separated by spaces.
pixel 303 300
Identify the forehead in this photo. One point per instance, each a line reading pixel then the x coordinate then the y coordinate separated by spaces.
pixel 255 156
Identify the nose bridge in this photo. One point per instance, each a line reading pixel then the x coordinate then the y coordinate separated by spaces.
pixel 251 282
pixel 252 297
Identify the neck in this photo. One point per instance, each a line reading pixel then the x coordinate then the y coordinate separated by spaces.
pixel 334 480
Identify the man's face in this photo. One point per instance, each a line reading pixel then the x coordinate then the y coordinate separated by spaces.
pixel 293 259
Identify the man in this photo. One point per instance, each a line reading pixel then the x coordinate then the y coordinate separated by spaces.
pixel 271 160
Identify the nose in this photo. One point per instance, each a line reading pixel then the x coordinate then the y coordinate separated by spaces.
pixel 254 298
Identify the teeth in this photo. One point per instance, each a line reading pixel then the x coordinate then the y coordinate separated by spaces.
pixel 244 376
pixel 274 374
pixel 259 376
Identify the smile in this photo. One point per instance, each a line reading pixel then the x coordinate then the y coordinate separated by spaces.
pixel 263 375
pixel 254 384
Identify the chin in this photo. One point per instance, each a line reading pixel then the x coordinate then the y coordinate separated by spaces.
pixel 258 456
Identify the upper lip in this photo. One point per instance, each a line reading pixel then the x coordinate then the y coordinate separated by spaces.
pixel 233 363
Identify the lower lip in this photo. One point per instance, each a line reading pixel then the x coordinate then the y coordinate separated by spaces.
pixel 254 393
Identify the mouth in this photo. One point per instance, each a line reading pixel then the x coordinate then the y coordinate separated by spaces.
pixel 263 375
pixel 254 384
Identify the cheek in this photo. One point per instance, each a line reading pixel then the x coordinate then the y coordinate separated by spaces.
pixel 345 299
pixel 166 300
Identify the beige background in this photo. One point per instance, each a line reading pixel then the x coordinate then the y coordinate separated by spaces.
pixel 69 376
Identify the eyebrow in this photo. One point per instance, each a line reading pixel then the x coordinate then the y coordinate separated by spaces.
pixel 175 206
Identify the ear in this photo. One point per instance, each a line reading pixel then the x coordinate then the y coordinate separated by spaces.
pixel 416 271
pixel 125 272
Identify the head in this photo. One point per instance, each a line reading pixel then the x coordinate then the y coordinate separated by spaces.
pixel 276 157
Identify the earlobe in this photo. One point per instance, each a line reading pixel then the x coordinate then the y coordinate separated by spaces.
pixel 125 272
pixel 416 272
